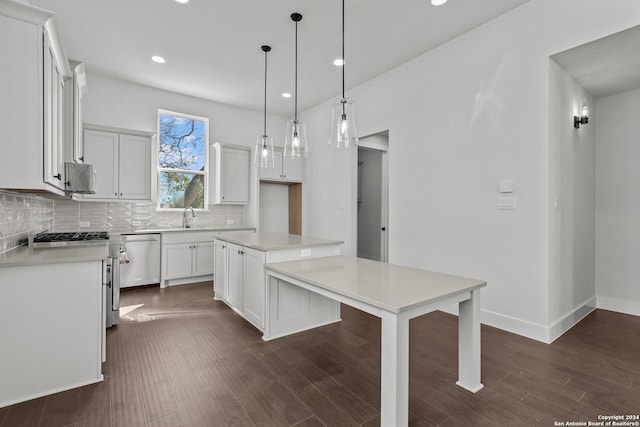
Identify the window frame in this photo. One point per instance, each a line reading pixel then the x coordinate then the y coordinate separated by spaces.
pixel 159 169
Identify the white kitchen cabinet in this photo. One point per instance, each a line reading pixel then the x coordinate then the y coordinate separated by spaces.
pixel 245 281
pixel 286 169
pixel 78 89
pixel 187 257
pixel 220 265
pixel 122 164
pixel 34 70
pixel 275 309
pixel 231 174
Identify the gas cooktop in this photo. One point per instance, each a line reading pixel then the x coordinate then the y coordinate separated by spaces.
pixel 73 238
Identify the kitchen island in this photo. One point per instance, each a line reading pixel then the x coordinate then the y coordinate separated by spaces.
pixel 395 294
pixel 51 320
pixel 283 309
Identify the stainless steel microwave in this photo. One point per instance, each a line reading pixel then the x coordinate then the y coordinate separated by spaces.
pixel 80 178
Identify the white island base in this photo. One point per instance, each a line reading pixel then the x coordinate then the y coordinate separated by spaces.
pixel 275 308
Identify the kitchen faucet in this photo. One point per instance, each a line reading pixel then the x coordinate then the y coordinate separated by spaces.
pixel 184 216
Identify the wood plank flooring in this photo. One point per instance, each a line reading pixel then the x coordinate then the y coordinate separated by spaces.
pixel 183 359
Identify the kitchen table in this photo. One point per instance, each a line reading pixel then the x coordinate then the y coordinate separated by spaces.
pixel 395 294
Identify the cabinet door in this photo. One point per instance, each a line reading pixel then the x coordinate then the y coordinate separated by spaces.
pixel 134 167
pixel 253 303
pixel 176 261
pixel 53 117
pixel 101 151
pixel 202 261
pixel 78 141
pixel 234 275
pixel 292 169
pixel 273 173
pixel 220 269
pixel 234 176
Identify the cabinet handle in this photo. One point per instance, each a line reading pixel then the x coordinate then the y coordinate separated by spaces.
pixel 222 197
pixel 81 158
pixel 115 194
pixel 58 177
pixel 224 246
pixel 120 194
pixel 240 252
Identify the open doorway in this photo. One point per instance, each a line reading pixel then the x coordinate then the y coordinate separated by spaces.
pixel 373 204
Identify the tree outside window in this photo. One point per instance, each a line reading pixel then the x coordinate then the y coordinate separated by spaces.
pixel 182 160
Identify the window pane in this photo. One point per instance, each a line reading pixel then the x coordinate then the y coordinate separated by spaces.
pixel 179 190
pixel 182 143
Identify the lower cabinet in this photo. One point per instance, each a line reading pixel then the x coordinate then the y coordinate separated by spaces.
pixel 245 282
pixel 276 309
pixel 186 257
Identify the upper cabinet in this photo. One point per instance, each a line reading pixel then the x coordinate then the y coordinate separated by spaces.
pixel 286 169
pixel 74 102
pixel 231 175
pixel 122 164
pixel 34 85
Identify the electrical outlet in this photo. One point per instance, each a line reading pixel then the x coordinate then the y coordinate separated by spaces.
pixel 305 253
pixel 229 222
pixel 506 203
pixel 136 223
pixel 85 224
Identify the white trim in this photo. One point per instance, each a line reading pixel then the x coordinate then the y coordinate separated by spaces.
pixel 52 391
pixel 619 305
pixel 565 323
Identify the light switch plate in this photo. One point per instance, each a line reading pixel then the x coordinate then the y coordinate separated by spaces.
pixel 305 253
pixel 85 224
pixel 135 223
pixel 506 203
pixel 229 222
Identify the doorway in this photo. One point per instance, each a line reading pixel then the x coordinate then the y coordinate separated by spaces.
pixel 373 204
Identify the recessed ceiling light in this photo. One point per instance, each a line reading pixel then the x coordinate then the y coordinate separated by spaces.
pixel 338 62
pixel 158 59
pixel 182 1
pixel 286 95
pixel 438 2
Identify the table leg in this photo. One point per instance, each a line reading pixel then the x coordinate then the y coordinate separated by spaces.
pixel 469 343
pixel 394 394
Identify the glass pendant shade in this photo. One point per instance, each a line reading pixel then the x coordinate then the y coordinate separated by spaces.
pixel 264 152
pixel 295 142
pixel 344 133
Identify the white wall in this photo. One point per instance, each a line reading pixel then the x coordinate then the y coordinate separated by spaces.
pixel 618 202
pixel 274 208
pixel 116 103
pixel 461 118
pixel 572 291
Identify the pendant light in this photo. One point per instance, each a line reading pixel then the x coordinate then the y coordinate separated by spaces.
pixel 264 143
pixel 343 116
pixel 295 143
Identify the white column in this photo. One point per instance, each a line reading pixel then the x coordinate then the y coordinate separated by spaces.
pixel 394 395
pixel 469 343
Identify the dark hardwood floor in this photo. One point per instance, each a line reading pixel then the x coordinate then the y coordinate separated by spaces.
pixel 183 359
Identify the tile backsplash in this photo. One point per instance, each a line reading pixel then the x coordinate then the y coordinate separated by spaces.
pixel 69 215
pixel 21 215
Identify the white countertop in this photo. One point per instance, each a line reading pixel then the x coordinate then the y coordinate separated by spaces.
pixel 389 287
pixel 275 241
pixel 221 228
pixel 26 255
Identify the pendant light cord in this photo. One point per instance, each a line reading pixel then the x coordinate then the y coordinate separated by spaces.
pixel 265 93
pixel 343 60
pixel 295 113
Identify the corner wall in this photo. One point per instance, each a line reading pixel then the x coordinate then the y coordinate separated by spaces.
pixel 461 118
pixel 618 202
pixel 572 290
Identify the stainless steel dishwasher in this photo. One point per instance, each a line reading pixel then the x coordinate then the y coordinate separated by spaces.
pixel 139 260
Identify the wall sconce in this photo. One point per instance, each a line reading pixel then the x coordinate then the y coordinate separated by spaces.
pixel 583 119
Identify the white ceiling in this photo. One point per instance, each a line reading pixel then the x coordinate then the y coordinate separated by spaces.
pixel 605 66
pixel 212 47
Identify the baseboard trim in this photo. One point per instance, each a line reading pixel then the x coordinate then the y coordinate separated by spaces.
pixel 517 326
pixel 100 378
pixel 619 305
pixel 558 328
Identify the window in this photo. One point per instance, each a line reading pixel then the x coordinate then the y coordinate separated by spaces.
pixel 183 156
